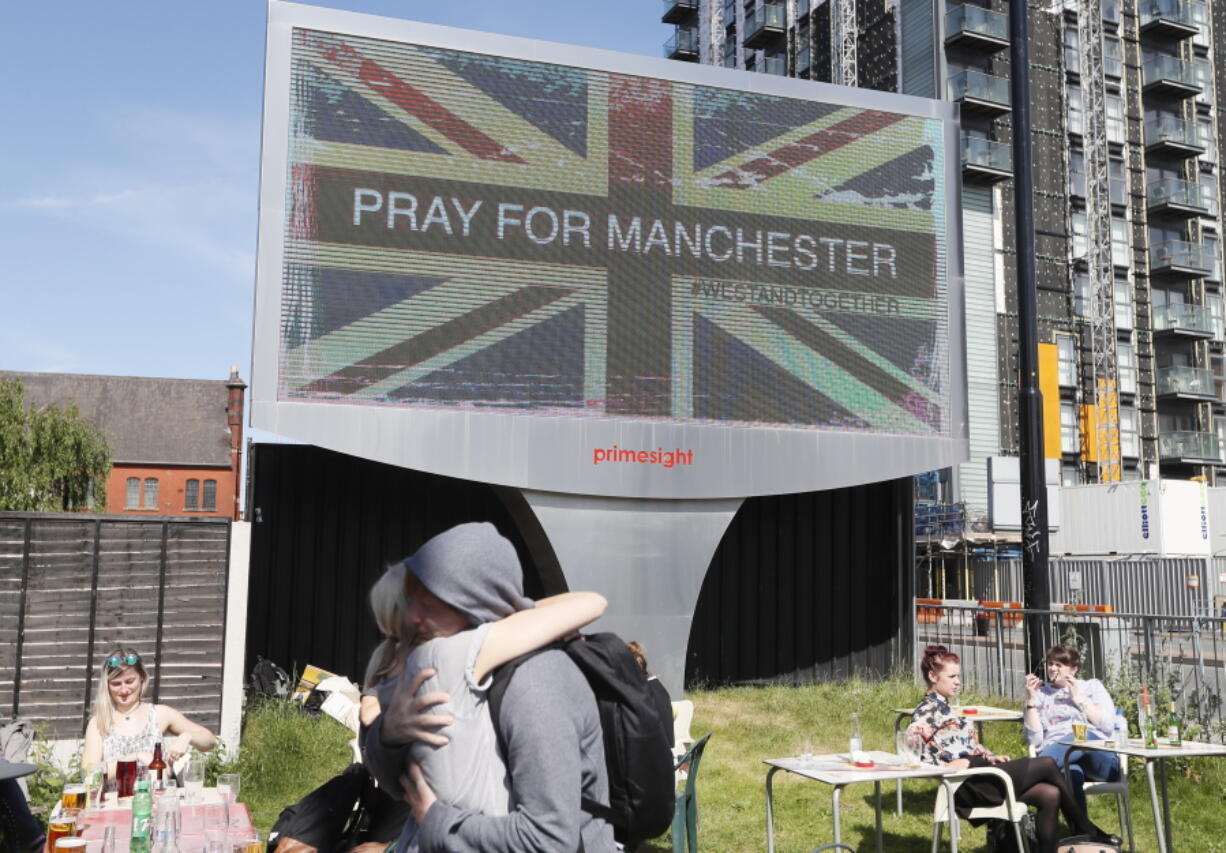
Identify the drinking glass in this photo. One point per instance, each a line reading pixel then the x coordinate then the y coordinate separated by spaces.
pixel 215 819
pixel 72 800
pixel 902 748
pixel 1079 732
pixel 806 750
pixel 227 787
pixel 247 842
pixel 64 826
pixel 193 779
pixel 69 845
pixel 125 772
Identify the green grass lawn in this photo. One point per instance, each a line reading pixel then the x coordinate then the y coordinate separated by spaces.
pixel 285 755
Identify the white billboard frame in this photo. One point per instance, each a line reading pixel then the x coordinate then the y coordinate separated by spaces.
pixel 556 454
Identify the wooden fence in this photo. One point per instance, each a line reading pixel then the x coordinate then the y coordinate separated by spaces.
pixel 73 587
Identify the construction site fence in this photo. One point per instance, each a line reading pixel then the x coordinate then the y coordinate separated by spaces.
pixel 1179 658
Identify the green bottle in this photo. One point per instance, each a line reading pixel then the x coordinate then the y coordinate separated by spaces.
pixel 1173 726
pixel 142 811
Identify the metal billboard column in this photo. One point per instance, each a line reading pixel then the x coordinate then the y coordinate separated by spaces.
pixel 1036 583
pixel 647 557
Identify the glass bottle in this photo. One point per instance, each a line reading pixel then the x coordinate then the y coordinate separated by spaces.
pixel 157 768
pixel 108 840
pixel 856 742
pixel 142 811
pixel 1173 726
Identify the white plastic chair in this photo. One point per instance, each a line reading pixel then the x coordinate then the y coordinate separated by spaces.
pixel 1010 810
pixel 683 713
pixel 1123 805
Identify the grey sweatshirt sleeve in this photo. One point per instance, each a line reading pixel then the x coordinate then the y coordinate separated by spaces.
pixel 548 717
pixel 386 762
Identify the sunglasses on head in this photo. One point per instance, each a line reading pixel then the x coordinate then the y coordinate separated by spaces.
pixel 116 660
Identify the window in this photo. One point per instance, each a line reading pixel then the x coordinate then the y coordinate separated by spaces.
pixel 1076 121
pixel 1126 368
pixel 1204 128
pixel 1116 126
pixel 1077 219
pixel 1123 304
pixel 1072 50
pixel 1069 475
pixel 1118 184
pixel 1077 174
pixel 1129 443
pixel 1081 295
pixel 1113 56
pixel 191 495
pixel 210 495
pixel 131 498
pixel 1204 76
pixel 1066 352
pixel 1120 253
pixel 151 493
pixel 1210 242
pixel 1219 426
pixel 1070 441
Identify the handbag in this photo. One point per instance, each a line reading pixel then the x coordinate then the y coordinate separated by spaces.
pixel 1083 844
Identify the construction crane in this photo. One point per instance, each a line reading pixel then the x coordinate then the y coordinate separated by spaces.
pixel 843 42
pixel 1106 420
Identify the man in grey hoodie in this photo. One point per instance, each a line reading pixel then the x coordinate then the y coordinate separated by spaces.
pixel 470 575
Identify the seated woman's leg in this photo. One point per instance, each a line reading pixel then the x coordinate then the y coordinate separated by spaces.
pixel 1059 753
pixel 1046 802
pixel 1029 772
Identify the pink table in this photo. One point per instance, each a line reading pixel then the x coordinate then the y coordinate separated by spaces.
pixel 191 840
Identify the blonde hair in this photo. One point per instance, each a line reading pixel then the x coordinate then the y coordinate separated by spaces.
pixel 388 603
pixel 104 706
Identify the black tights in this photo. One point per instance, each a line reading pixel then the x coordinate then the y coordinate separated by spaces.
pixel 1039 783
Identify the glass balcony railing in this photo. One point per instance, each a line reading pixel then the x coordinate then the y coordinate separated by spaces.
pixel 986 154
pixel 1175 193
pixel 1177 16
pixel 679 11
pixel 764 25
pixel 1192 319
pixel 1178 256
pixel 776 65
pixel 683 44
pixel 802 61
pixel 1186 381
pixel 972 85
pixel 1201 446
pixel 1170 72
pixel 1170 131
pixel 976 23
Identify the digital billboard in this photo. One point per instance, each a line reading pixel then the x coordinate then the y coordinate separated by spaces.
pixel 586 272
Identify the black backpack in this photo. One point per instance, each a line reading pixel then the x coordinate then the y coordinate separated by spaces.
pixel 269 681
pixel 642 788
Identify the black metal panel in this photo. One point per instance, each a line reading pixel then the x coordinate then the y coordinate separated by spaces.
pixel 808 587
pixel 326 525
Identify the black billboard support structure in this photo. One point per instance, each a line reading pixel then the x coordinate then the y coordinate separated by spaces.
pixel 1036 585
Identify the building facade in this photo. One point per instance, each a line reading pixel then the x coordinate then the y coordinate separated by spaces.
pixel 1125 128
pixel 176 444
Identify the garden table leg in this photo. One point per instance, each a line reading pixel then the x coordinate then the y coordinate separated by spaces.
pixel 1166 808
pixel 877 791
pixel 1159 822
pixel 770 812
pixel 838 835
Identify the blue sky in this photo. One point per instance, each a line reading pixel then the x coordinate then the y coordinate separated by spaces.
pixel 128 185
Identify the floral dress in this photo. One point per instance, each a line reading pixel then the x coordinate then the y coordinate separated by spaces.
pixel 939 735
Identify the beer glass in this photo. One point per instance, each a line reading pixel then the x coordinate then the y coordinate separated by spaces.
pixel 72 800
pixel 69 845
pixel 64 826
pixel 1079 732
pixel 193 779
pixel 125 773
pixel 227 787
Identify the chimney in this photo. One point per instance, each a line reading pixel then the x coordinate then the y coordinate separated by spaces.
pixel 234 419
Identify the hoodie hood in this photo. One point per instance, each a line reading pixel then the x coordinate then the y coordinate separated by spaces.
pixel 473 568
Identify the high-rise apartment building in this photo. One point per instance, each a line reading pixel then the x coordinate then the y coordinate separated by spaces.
pixel 1125 125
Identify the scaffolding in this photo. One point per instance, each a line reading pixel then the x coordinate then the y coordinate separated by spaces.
pixel 843 42
pixel 1106 433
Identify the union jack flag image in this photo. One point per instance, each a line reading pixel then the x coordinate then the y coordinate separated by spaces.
pixel 486 233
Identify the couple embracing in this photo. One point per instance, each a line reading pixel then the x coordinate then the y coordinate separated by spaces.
pixel 464 614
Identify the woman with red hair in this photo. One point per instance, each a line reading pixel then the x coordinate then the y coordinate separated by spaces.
pixel 943 737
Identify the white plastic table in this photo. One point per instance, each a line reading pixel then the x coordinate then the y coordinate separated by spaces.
pixel 836 771
pixel 1136 747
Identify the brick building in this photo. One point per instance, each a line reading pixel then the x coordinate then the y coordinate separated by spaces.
pixel 176 443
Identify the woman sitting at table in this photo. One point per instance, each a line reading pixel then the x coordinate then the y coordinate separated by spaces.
pixel 1054 707
pixel 943 737
pixel 123 727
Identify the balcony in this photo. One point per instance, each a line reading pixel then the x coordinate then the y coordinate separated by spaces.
pixel 976 28
pixel 1171 19
pixel 1168 77
pixel 1180 259
pixel 1186 383
pixel 766 27
pixel 985 161
pixel 776 65
pixel 1173 137
pixel 1189 321
pixel 683 45
pixel 1175 198
pixel 1194 447
pixel 979 92
pixel 680 12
